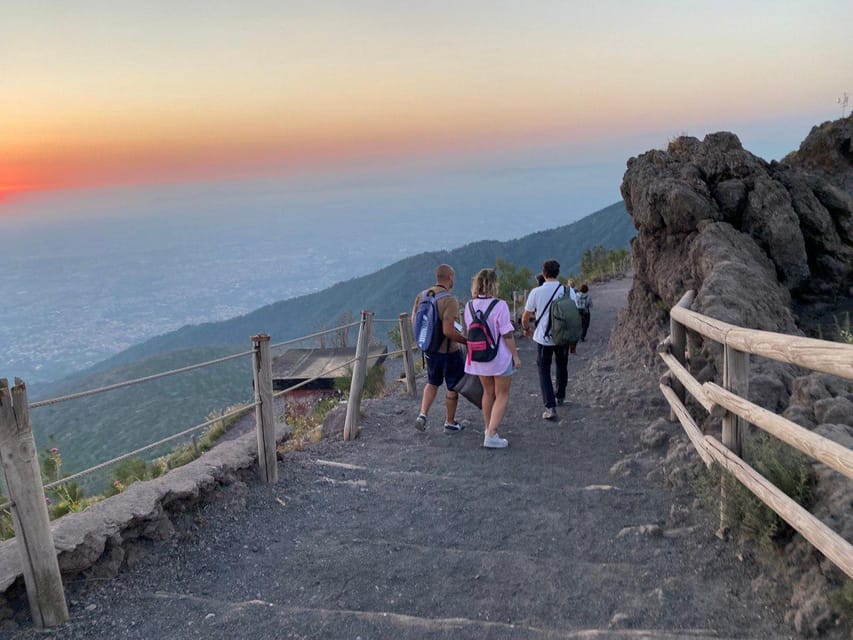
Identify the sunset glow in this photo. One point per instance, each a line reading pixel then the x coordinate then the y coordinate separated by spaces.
pixel 102 93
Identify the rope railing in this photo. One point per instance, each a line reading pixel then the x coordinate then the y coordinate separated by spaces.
pixel 27 489
pixel 127 383
pixel 135 452
pixel 153 445
pixel 313 335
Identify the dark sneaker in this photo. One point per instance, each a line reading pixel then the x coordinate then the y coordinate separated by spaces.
pixel 549 414
pixel 420 422
pixel 561 402
pixel 452 427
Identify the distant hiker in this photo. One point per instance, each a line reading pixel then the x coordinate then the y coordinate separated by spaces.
pixel 570 285
pixel 488 321
pixel 584 304
pixel 443 357
pixel 536 309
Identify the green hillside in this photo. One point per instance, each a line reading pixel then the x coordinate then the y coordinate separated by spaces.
pixel 94 429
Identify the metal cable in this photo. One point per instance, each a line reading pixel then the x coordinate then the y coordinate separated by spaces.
pixel 125 456
pixel 127 383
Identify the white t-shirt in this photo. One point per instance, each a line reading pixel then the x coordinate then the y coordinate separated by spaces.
pixel 536 304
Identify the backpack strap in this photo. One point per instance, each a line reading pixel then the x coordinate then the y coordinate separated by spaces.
pixel 548 304
pixel 436 297
pixel 547 333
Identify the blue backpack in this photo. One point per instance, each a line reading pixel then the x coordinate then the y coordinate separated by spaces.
pixel 482 346
pixel 427 326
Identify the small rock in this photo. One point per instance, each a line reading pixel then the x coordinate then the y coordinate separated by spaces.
pixel 619 620
pixel 646 530
pixel 210 616
pixel 624 468
pixel 91 607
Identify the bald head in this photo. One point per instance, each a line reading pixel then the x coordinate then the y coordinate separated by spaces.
pixel 444 274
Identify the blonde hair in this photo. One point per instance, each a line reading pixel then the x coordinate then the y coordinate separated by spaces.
pixel 485 283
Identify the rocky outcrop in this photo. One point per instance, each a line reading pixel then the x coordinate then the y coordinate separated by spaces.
pixel 760 243
pixel 749 236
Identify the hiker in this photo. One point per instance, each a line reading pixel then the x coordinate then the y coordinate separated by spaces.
pixel 496 368
pixel 570 285
pixel 443 359
pixel 584 304
pixel 536 308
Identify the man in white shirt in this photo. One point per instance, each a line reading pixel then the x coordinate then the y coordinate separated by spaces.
pixel 538 307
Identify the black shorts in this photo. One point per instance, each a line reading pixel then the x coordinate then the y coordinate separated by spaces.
pixel 445 367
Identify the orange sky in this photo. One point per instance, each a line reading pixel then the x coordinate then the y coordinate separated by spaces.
pixel 102 93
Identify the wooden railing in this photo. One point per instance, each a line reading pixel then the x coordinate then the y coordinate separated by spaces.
pixel 729 401
pixel 19 458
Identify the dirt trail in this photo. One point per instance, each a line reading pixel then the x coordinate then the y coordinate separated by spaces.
pixel 403 534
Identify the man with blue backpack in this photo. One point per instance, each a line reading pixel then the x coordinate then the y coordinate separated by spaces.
pixel 434 317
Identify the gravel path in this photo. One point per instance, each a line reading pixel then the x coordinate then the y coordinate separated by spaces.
pixel 403 534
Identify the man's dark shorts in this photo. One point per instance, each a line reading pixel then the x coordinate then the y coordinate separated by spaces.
pixel 445 367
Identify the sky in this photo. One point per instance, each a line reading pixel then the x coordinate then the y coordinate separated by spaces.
pixel 107 93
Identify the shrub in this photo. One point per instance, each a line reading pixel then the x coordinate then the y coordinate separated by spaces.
pixel 790 471
pixel 841 599
pixel 843 329
pixel 374 382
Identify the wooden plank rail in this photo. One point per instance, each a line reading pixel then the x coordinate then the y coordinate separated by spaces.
pixel 708 327
pixel 688 381
pixel 830 453
pixel 690 427
pixel 737 411
pixel 834 358
pixel 822 537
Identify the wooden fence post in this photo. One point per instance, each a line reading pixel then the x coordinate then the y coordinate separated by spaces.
pixel 359 373
pixel 735 380
pixel 408 356
pixel 19 458
pixel 678 337
pixel 264 412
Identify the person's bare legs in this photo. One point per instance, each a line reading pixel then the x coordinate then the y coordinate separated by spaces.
pixel 501 400
pixel 488 383
pixel 451 401
pixel 430 391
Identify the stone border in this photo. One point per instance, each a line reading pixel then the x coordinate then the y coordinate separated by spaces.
pixel 143 511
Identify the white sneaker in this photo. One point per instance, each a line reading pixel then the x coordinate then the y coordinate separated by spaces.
pixel 495 442
pixel 549 414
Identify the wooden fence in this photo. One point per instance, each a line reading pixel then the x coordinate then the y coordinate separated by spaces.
pixel 19 457
pixel 729 401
